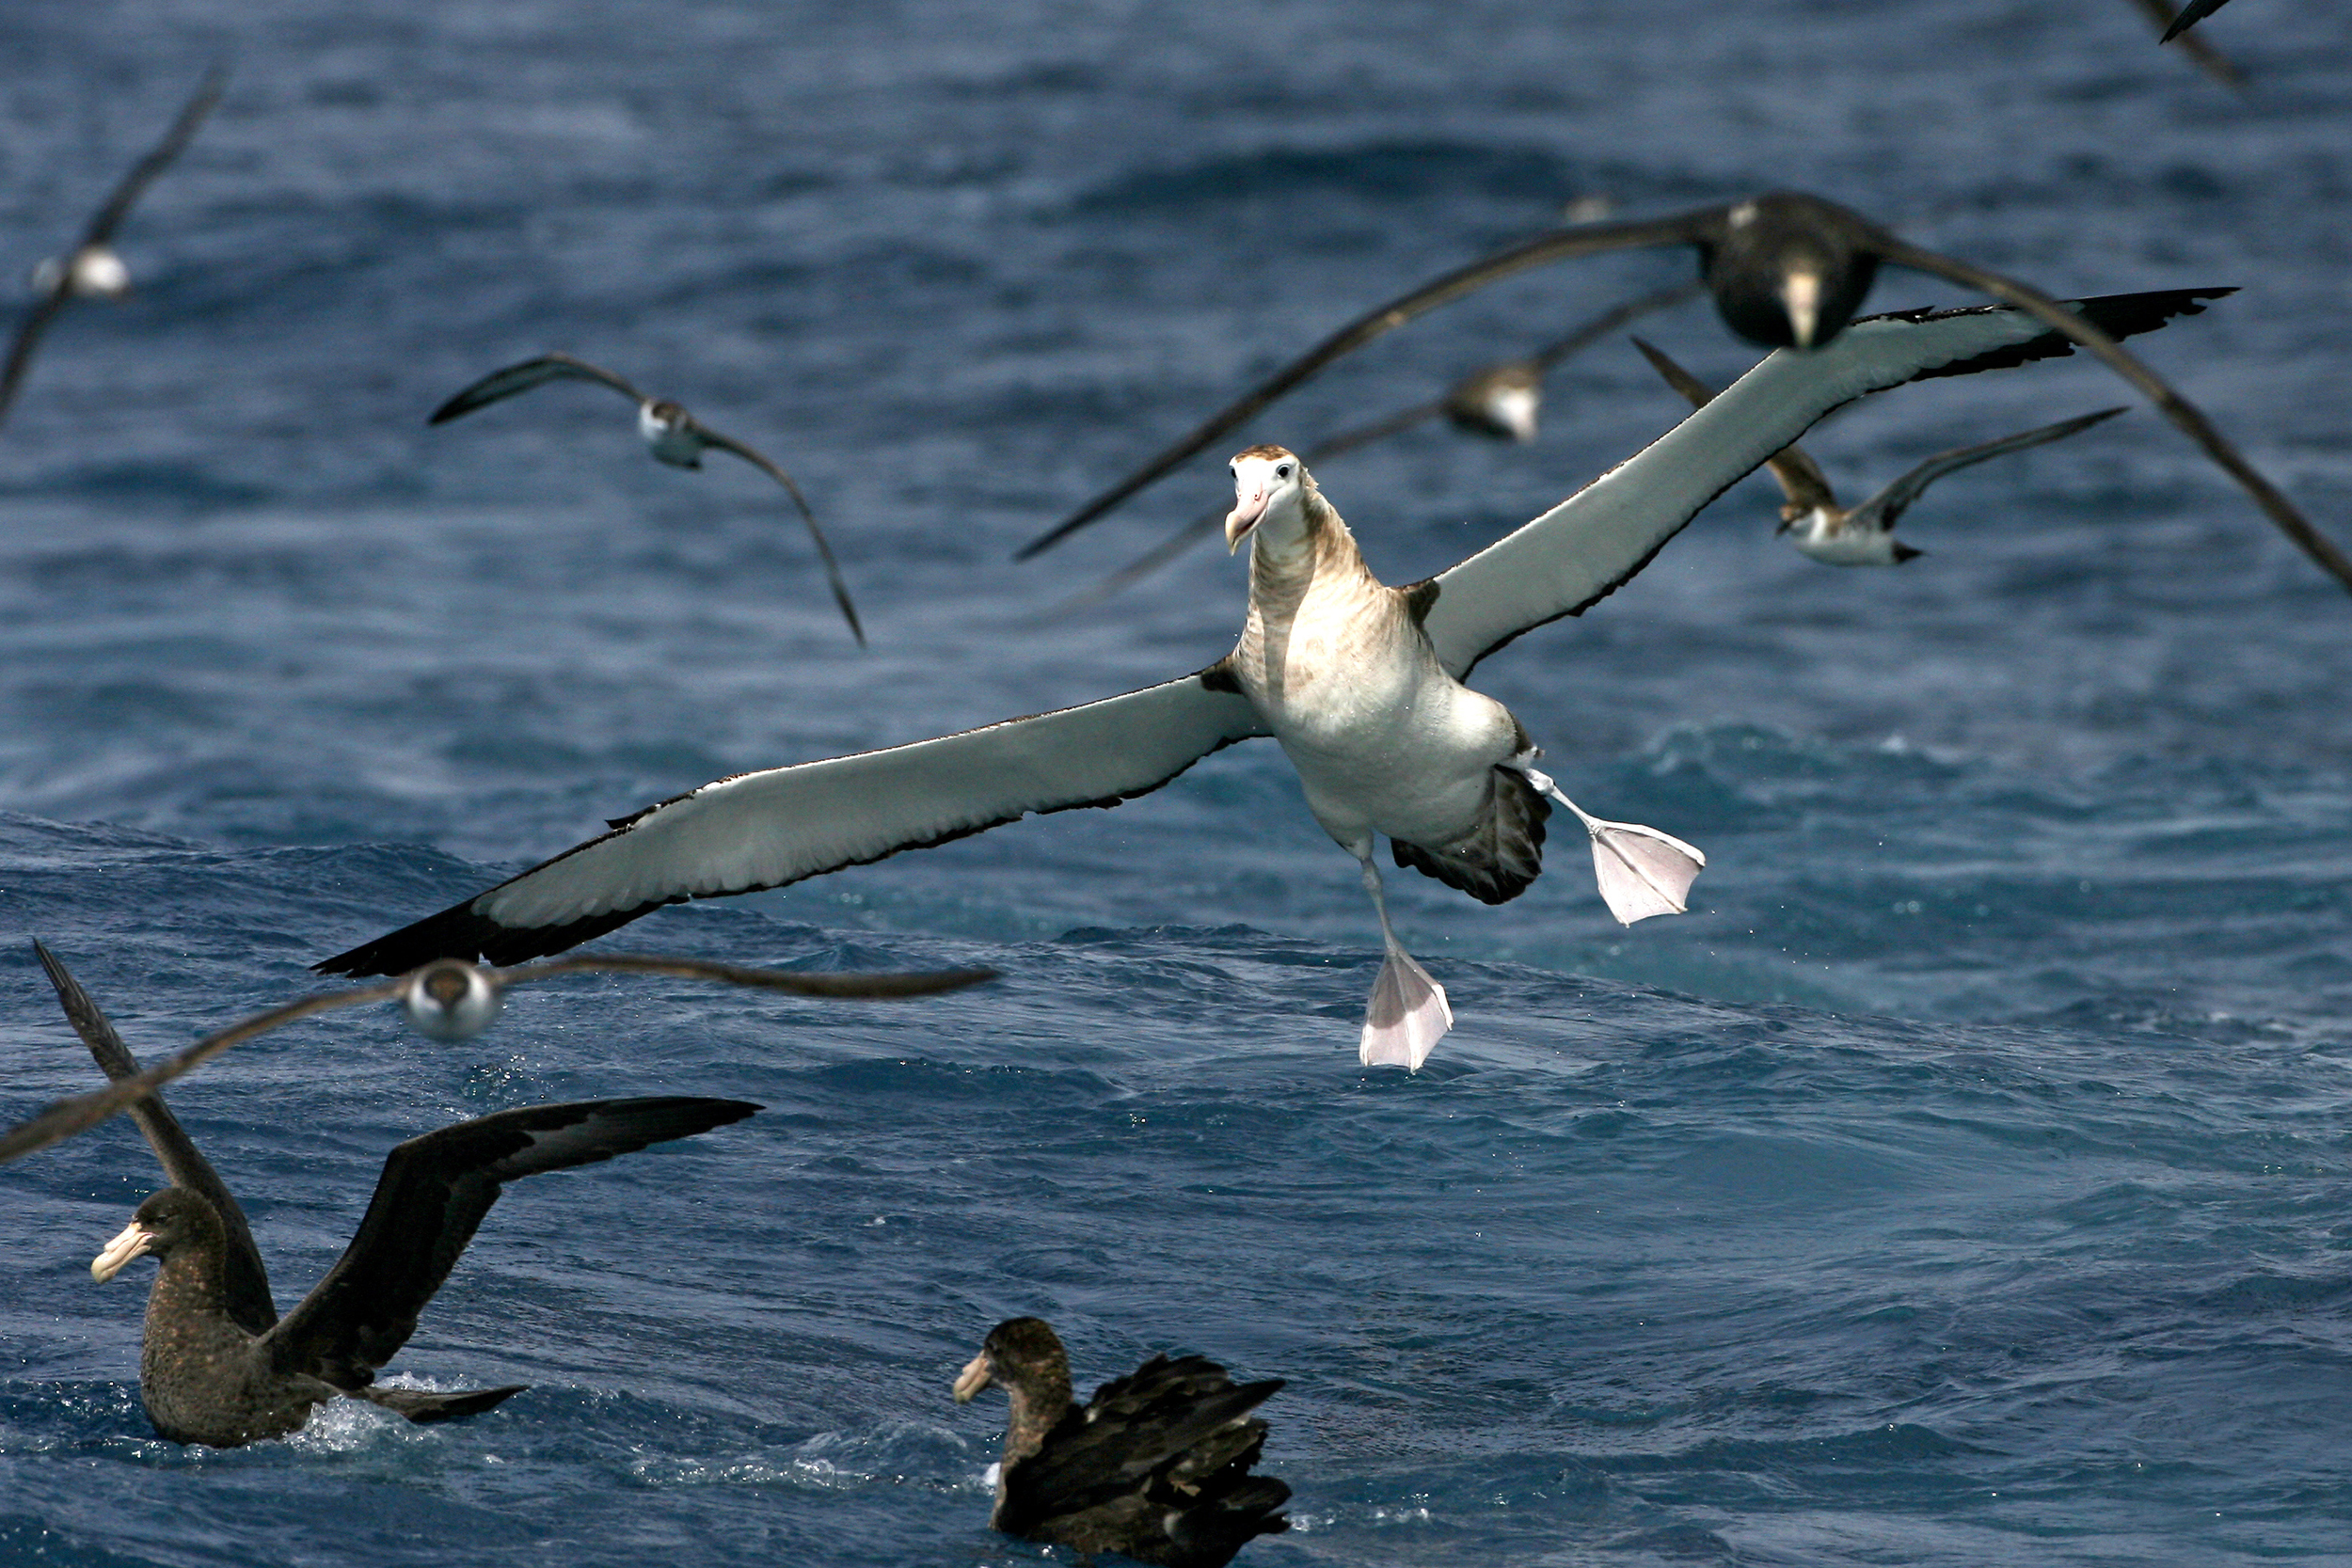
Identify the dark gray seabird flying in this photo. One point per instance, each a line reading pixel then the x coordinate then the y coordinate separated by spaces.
pixel 448 1000
pixel 1155 1466
pixel 1502 401
pixel 673 435
pixel 91 270
pixel 1862 535
pixel 218 1366
pixel 1786 270
pixel 1362 683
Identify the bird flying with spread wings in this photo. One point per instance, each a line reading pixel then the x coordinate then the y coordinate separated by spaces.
pixel 1861 536
pixel 672 435
pixel 1785 270
pixel 1361 682
pixel 91 270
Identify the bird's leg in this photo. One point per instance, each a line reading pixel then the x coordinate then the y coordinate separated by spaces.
pixel 1641 871
pixel 1407 1013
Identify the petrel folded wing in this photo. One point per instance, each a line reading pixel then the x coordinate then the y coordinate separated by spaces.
pixel 430 1200
pixel 767 829
pixel 1891 502
pixel 1583 549
pixel 245 1289
pixel 513 379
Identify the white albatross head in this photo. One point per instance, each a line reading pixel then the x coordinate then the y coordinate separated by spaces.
pixel 1270 486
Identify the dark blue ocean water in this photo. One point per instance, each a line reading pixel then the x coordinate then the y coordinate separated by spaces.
pixel 1966 1181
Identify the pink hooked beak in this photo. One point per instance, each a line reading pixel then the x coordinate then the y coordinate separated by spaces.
pixel 1247 511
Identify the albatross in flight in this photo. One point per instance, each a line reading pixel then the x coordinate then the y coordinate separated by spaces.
pixel 1786 270
pixel 673 435
pixel 1362 683
pixel 1861 536
pixel 91 270
pixel 448 1000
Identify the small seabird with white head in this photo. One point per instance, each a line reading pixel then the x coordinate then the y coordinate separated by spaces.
pixel 1155 1466
pixel 1362 683
pixel 672 435
pixel 1862 535
pixel 449 1000
pixel 92 270
pixel 1786 270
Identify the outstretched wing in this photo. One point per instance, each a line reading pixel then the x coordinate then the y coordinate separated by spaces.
pixel 767 829
pixel 245 1284
pixel 1583 549
pixel 1890 503
pixel 428 1203
pixel 29 334
pixel 1585 239
pixel 1801 478
pixel 513 379
pixel 159 157
pixel 824 550
pixel 63 1118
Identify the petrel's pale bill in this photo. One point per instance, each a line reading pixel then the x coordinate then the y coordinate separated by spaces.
pixel 768 829
pixel 444 1000
pixel 92 268
pixel 1754 256
pixel 675 435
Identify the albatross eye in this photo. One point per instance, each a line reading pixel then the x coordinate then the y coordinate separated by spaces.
pixel 1282 470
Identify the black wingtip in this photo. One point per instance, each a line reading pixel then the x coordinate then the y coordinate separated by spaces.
pixel 458 932
pixel 2119 316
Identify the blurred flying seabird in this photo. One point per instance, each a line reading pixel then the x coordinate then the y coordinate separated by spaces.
pixel 449 999
pixel 673 435
pixel 1361 682
pixel 1786 270
pixel 1862 535
pixel 91 270
pixel 1501 400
